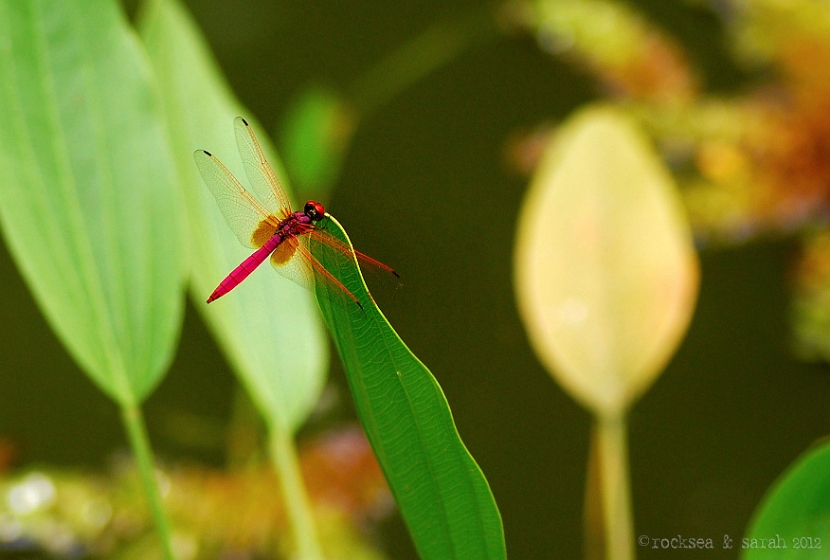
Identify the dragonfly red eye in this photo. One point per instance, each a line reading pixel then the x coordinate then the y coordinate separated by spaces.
pixel 314 210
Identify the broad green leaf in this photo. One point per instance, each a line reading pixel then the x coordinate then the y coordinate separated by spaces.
pixel 795 513
pixel 87 188
pixel 314 138
pixel 606 272
pixel 268 327
pixel 442 494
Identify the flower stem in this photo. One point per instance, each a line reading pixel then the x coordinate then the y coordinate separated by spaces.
pixel 140 443
pixel 615 491
pixel 284 457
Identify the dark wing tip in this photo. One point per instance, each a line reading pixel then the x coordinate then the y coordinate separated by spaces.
pixel 244 121
pixel 205 152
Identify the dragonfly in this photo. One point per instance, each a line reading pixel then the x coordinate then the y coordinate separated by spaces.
pixel 265 221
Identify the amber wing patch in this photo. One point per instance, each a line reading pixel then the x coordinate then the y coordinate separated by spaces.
pixel 284 251
pixel 263 232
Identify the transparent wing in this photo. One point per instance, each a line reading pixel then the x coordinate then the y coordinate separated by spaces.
pixel 346 251
pixel 263 180
pixel 286 261
pixel 243 212
pixel 293 260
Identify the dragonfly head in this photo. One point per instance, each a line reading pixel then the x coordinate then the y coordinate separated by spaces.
pixel 314 210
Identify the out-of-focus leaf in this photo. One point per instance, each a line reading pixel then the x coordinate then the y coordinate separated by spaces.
pixel 811 300
pixel 313 140
pixel 87 188
pixel 442 494
pixel 606 273
pixel 793 521
pixel 268 327
pixel 616 43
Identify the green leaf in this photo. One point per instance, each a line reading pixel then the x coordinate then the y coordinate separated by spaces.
pixel 794 513
pixel 268 327
pixel 314 138
pixel 87 188
pixel 606 271
pixel 442 494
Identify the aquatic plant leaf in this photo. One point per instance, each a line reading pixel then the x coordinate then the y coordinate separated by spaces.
pixel 440 490
pixel 87 189
pixel 606 272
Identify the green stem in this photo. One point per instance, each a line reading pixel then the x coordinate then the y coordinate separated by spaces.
pixel 140 443
pixel 245 433
pixel 144 8
pixel 440 44
pixel 615 487
pixel 284 457
pixel 594 518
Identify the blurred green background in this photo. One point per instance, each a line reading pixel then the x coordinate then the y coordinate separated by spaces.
pixel 426 189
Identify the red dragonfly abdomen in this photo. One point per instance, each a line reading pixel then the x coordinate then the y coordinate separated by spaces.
pixel 242 271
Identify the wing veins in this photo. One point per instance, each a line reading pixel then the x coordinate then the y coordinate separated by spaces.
pixel 326 238
pixel 321 270
pixel 260 173
pixel 242 210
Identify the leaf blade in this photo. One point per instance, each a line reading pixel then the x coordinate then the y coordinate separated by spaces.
pixel 85 197
pixel 268 327
pixel 443 495
pixel 606 272
pixel 795 506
